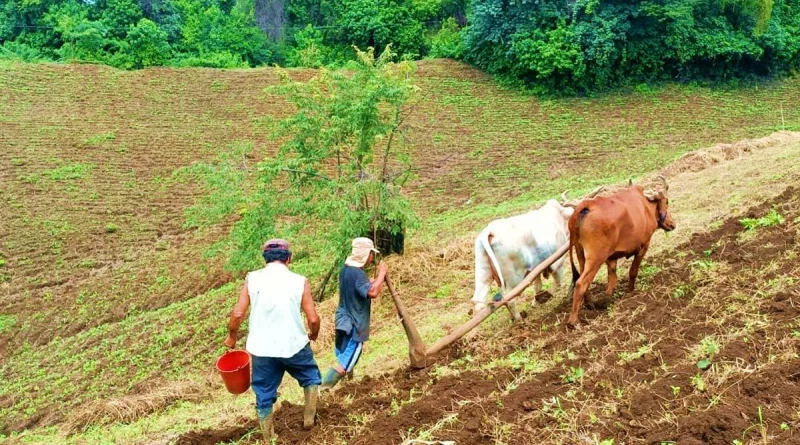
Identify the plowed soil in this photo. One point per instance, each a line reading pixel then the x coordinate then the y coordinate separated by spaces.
pixel 729 296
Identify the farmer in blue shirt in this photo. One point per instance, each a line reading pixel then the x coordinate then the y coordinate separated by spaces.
pixel 356 292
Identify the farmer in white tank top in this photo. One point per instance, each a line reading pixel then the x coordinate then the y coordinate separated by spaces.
pixel 278 341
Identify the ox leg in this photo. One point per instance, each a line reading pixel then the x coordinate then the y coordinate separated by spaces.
pixel 537 288
pixel 479 297
pixel 578 294
pixel 634 272
pixel 612 277
pixel 512 307
pixel 580 253
pixel 558 277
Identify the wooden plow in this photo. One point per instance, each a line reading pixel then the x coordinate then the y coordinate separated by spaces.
pixel 421 357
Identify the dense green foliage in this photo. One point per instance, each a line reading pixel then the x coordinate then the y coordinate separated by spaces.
pixel 565 45
pixel 123 34
pixel 337 175
pixel 219 33
pixel 587 44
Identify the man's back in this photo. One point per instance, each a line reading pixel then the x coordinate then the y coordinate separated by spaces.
pixel 354 304
pixel 276 326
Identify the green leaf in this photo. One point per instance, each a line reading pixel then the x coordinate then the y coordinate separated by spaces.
pixel 704 364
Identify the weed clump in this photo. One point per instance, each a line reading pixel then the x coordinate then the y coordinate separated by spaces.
pixel 772 218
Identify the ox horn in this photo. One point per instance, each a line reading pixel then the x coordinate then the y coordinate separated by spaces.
pixel 574 202
pixel 654 194
pixel 594 192
pixel 566 202
pixel 664 182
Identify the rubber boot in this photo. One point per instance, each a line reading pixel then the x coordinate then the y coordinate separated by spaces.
pixel 331 378
pixel 310 412
pixel 267 425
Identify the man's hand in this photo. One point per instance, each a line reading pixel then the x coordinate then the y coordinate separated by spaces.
pixel 307 304
pixel 230 342
pixel 377 283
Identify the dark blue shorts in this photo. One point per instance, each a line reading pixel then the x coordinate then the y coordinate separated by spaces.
pixel 268 374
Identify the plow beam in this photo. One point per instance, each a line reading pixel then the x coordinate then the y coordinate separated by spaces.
pixel 420 357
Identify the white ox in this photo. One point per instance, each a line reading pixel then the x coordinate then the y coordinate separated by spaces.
pixel 507 249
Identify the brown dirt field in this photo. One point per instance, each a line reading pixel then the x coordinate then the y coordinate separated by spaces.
pixel 136 128
pixel 653 398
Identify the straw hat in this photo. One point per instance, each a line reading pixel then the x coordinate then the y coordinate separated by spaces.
pixel 360 253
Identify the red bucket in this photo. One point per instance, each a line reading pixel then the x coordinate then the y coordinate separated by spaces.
pixel 234 367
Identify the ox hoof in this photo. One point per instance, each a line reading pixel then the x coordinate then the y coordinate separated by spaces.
pixel 542 297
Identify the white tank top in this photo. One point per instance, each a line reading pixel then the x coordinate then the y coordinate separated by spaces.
pixel 276 327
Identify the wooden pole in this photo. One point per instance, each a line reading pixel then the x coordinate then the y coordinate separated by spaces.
pixel 416 348
pixel 486 312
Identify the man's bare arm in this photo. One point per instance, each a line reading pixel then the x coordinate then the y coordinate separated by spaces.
pixel 311 312
pixel 237 316
pixel 377 283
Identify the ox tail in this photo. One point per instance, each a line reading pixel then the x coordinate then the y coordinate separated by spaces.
pixel 575 273
pixel 574 237
pixel 487 246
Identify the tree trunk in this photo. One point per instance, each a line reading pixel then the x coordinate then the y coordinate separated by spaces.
pixel 270 16
pixel 321 291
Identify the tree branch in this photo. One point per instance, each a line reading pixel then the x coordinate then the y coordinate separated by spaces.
pixel 292 170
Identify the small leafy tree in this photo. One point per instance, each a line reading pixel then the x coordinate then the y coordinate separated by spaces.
pixel 337 175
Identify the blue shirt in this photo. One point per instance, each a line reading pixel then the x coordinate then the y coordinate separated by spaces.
pixel 352 315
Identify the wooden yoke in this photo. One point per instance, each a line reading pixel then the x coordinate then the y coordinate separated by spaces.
pixel 421 358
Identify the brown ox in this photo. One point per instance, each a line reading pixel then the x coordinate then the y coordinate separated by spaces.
pixel 605 229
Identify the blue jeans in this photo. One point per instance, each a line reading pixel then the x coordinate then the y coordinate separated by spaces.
pixel 268 374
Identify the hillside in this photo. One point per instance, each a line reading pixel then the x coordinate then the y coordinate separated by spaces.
pixel 104 294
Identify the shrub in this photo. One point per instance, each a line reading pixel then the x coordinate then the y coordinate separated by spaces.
pixel 447 42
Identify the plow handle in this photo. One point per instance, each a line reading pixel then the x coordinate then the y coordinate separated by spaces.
pixel 416 348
